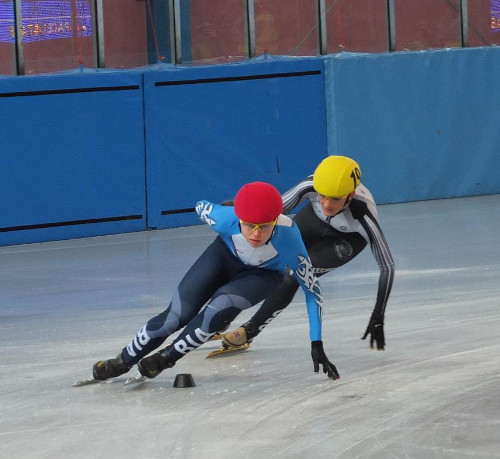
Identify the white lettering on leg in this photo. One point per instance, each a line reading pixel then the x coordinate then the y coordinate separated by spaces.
pixel 182 346
pixel 139 341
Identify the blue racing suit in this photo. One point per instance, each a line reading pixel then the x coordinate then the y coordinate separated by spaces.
pixel 229 277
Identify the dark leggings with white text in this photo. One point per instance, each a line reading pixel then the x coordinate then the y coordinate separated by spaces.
pixel 218 281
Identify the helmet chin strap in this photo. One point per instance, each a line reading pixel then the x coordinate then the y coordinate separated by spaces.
pixel 347 202
pixel 346 205
pixel 270 237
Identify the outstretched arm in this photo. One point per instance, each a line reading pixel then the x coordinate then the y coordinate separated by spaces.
pixel 298 193
pixel 382 254
pixel 304 273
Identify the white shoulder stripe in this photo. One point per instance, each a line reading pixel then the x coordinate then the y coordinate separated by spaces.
pixel 283 220
pixel 294 195
pixel 381 247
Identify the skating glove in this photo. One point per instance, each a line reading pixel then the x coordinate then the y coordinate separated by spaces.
pixel 376 331
pixel 319 357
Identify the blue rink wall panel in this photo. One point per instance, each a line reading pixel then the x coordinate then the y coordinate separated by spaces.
pixel 72 156
pixel 423 125
pixel 211 129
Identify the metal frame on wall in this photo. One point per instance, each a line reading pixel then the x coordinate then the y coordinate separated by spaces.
pixel 323 39
pixel 250 23
pixel 464 21
pixel 18 30
pixel 176 30
pixel 99 28
pixel 391 25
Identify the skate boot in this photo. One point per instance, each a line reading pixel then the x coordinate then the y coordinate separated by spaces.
pixel 217 336
pixel 153 365
pixel 105 369
pixel 235 338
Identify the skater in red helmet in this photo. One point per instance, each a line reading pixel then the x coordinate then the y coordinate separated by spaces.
pixel 255 247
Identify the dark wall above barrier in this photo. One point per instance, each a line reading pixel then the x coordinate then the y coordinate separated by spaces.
pixel 423 125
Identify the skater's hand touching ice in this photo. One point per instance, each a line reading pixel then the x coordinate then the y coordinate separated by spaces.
pixel 376 331
pixel 319 357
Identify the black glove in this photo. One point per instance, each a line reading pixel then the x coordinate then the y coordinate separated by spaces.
pixel 318 355
pixel 376 331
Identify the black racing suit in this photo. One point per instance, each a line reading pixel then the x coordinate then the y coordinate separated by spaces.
pixel 331 242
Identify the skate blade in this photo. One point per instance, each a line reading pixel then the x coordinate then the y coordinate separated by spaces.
pixel 86 382
pixel 137 379
pixel 227 350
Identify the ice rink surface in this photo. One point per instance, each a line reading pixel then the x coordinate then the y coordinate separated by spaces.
pixel 434 392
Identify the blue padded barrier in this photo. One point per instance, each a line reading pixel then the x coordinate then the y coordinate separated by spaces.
pixel 423 125
pixel 74 161
pixel 71 156
pixel 212 129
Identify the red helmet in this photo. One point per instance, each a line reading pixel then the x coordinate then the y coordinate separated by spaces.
pixel 258 202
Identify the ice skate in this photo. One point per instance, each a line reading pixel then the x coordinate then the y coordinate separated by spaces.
pixel 225 350
pixel 217 336
pixel 233 341
pixel 85 382
pixel 235 338
pixel 105 369
pixel 137 379
pixel 153 365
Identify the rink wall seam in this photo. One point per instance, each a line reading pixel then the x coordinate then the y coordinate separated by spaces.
pixel 67 91
pixel 237 78
pixel 84 150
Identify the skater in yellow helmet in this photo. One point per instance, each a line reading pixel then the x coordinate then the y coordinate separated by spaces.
pixel 337 223
pixel 336 176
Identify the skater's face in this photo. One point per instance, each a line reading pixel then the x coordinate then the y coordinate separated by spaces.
pixel 331 206
pixel 257 234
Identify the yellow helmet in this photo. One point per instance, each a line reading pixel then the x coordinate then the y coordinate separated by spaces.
pixel 336 176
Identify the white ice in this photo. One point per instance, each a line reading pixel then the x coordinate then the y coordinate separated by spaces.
pixel 433 393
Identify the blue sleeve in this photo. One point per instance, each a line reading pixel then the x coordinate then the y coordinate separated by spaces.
pixel 309 282
pixel 219 218
pixel 304 272
pixel 204 209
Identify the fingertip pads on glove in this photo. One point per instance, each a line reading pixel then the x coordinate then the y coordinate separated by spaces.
pixel 319 357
